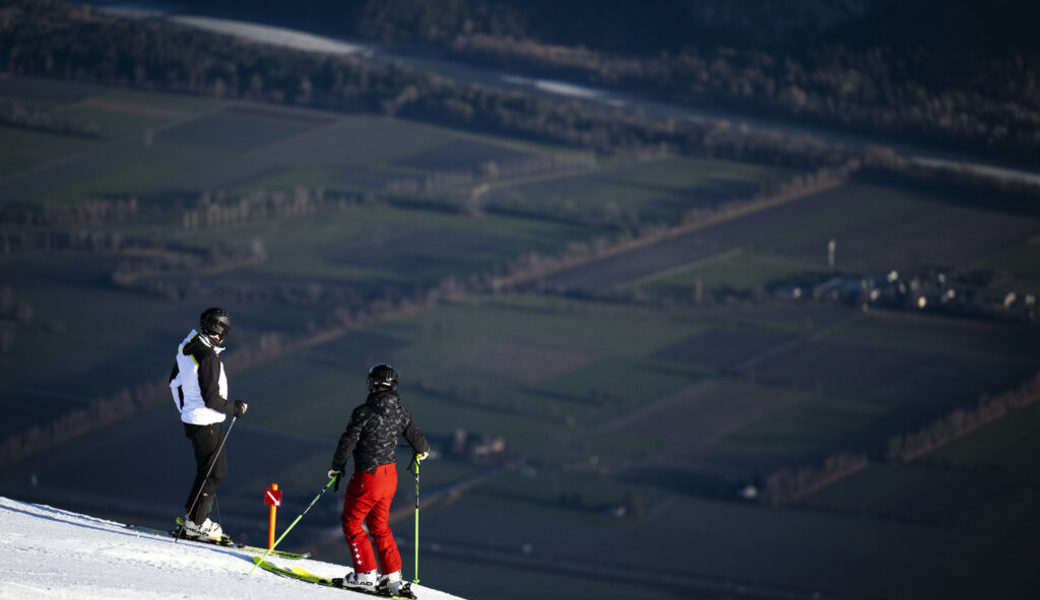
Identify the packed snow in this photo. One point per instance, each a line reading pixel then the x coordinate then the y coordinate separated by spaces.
pixel 562 88
pixel 255 32
pixel 53 553
pixel 267 34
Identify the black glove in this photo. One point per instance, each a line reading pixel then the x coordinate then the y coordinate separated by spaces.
pixel 337 474
pixel 240 408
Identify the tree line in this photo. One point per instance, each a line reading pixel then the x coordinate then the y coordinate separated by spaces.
pixel 89 241
pixel 13 311
pixel 905 82
pixel 871 90
pixel 456 191
pixel 870 67
pixel 14 113
pixel 49 39
pixel 789 485
pixel 465 191
pixel 156 268
pixel 215 210
pixel 533 265
pixel 961 422
pixel 123 404
pixel 83 213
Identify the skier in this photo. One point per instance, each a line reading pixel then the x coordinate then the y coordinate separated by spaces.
pixel 371 436
pixel 200 391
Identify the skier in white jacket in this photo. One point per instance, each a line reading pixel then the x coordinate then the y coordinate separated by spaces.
pixel 200 391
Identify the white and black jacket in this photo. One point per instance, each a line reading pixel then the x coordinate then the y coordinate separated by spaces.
pixel 198 382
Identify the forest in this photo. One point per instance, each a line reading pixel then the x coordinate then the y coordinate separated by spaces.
pixel 961 73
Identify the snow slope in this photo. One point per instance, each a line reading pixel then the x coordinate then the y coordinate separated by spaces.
pixel 53 553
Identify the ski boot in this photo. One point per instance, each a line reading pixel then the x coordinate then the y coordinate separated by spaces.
pixel 392 585
pixel 360 581
pixel 208 531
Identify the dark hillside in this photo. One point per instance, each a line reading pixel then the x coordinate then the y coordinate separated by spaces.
pixel 961 75
pixel 633 27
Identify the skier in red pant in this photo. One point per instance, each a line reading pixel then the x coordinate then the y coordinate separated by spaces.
pixel 371 436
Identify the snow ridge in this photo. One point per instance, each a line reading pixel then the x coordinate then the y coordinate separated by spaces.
pixel 52 553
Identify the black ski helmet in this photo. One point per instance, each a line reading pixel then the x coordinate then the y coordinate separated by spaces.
pixel 215 322
pixel 382 375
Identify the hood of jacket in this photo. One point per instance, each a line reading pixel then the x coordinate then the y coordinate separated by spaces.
pixel 205 340
pixel 383 401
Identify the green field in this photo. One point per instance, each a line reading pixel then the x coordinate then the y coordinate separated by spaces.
pixel 980 487
pixel 743 273
pixel 555 372
pixel 995 448
pixel 24 149
pixel 630 192
pixel 1020 262
pixel 117 116
pixel 810 425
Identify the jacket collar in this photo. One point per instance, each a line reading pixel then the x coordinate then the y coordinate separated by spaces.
pixel 205 340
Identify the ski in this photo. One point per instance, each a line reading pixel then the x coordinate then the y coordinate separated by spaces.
pixel 225 542
pixel 302 575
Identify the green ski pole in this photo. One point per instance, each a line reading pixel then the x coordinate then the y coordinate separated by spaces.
pixel 293 524
pixel 416 580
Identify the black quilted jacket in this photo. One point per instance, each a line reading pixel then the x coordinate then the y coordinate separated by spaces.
pixel 373 430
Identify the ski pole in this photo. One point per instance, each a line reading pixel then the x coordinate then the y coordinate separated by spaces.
pixel 293 524
pixel 416 579
pixel 212 462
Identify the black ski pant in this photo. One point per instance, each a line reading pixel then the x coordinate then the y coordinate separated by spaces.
pixel 205 439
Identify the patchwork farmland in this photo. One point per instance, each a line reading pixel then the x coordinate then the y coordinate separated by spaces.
pixel 644 379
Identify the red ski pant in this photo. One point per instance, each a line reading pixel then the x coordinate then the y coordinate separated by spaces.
pixel 368 501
